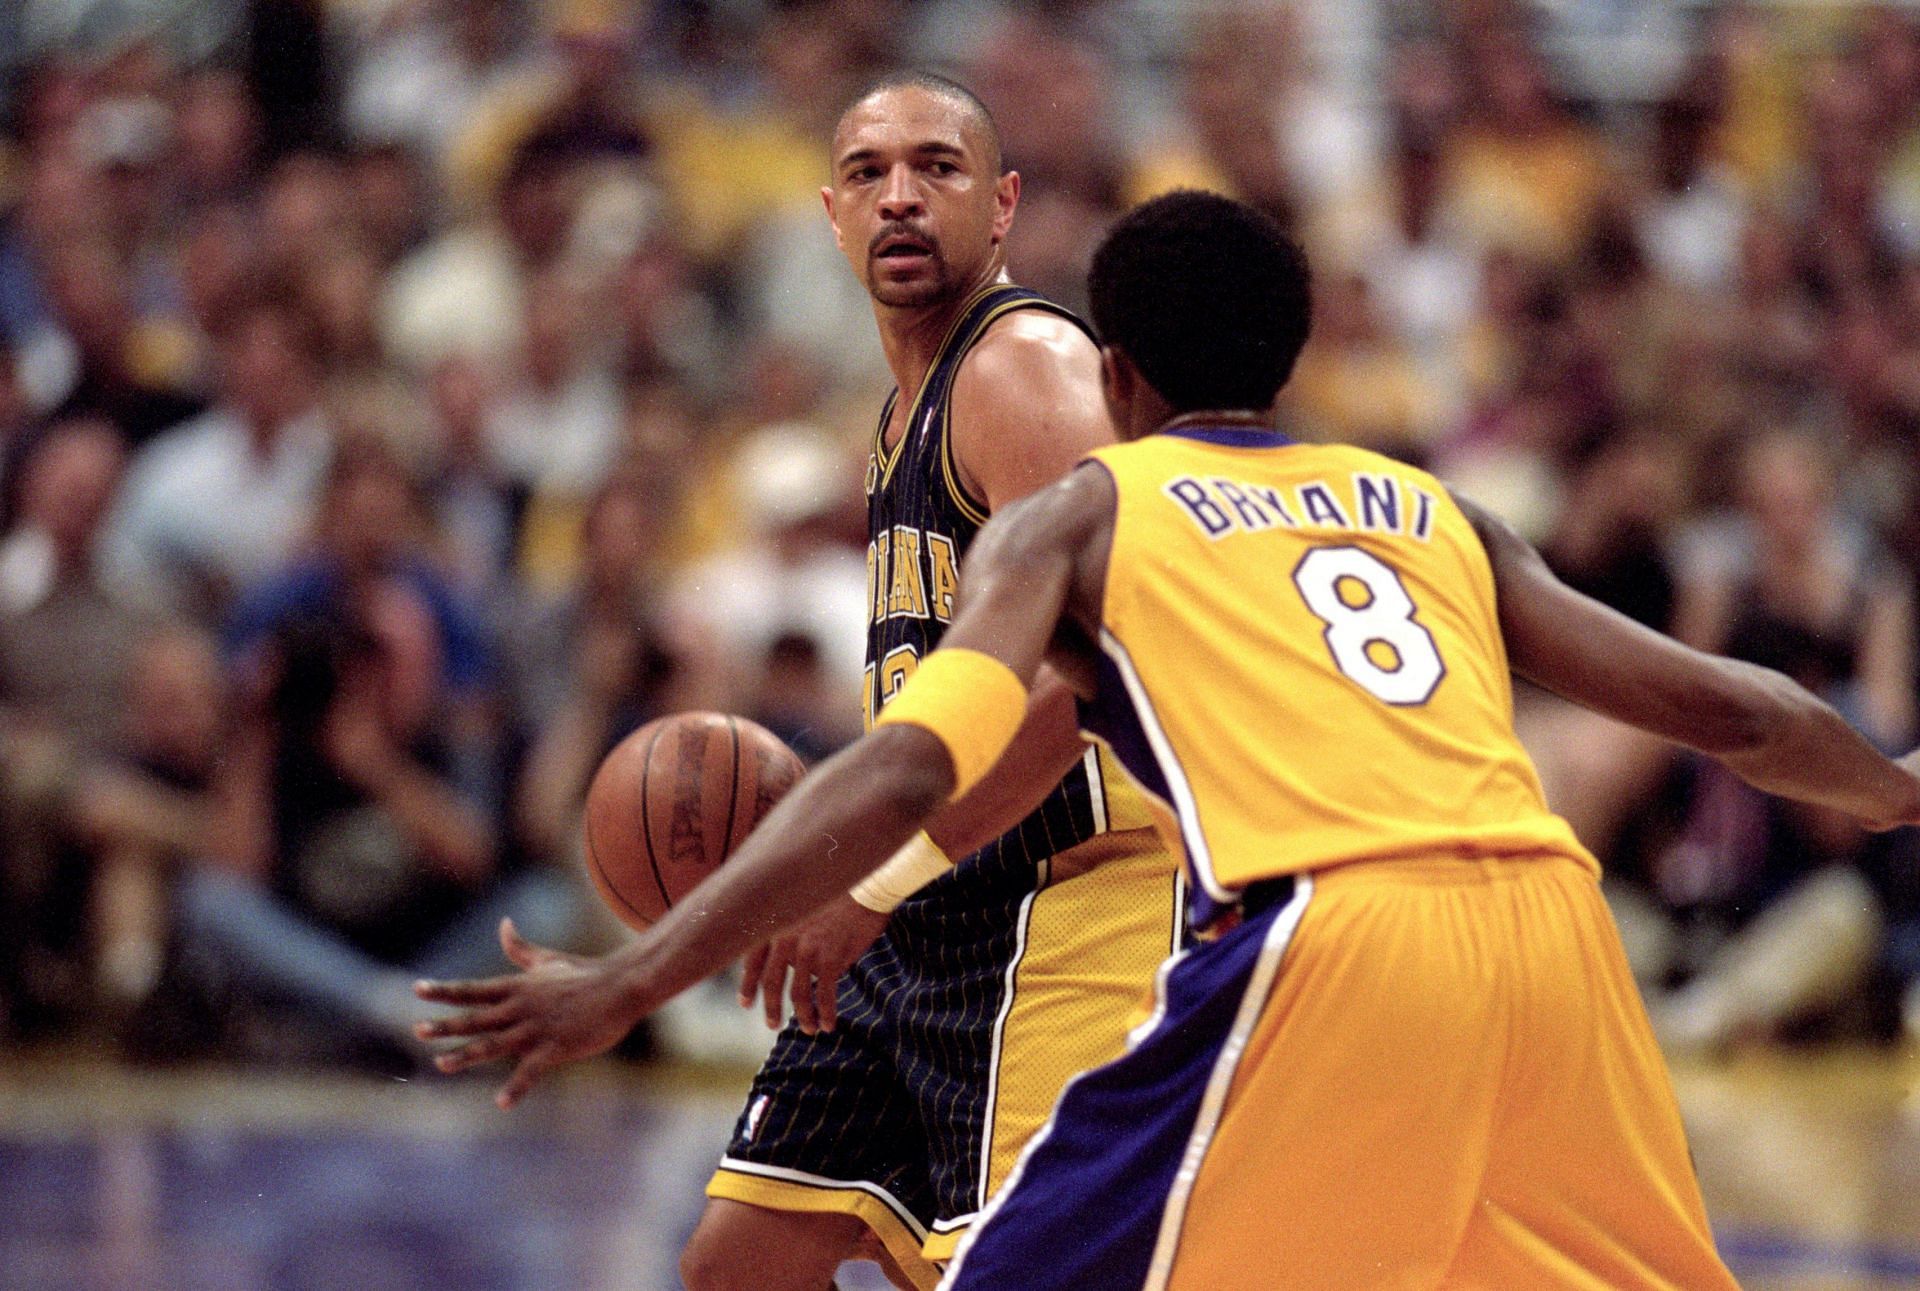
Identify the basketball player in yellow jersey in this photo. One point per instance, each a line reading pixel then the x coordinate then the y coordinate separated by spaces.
pixel 1408 1052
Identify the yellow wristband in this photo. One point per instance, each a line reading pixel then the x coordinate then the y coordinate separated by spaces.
pixel 970 701
pixel 908 870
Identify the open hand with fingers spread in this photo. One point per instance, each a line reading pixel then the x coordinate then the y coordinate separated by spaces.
pixel 817 950
pixel 559 1009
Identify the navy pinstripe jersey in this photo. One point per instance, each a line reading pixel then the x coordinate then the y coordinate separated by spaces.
pixel 920 522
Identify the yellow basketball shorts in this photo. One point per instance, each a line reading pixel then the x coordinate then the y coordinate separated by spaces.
pixel 1396 1075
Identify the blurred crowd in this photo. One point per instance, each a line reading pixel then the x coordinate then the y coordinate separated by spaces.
pixel 403 400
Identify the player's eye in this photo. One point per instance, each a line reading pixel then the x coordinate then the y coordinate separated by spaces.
pixel 944 168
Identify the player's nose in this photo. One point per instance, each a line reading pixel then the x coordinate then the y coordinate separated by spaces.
pixel 899 195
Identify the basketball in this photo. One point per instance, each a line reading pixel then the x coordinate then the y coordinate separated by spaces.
pixel 672 801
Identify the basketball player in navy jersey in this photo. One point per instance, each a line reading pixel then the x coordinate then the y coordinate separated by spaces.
pixel 905 1089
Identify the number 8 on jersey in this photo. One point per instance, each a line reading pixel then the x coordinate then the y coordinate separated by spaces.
pixel 1371 630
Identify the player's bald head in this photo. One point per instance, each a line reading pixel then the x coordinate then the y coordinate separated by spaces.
pixel 974 119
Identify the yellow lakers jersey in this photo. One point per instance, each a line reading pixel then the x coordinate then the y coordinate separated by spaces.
pixel 1302 660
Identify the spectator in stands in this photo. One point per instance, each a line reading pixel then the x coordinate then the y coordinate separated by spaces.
pixel 555 426
pixel 370 564
pixel 1782 921
pixel 421 71
pixel 1523 174
pixel 594 663
pixel 131 372
pixel 345 857
pixel 145 811
pixel 219 501
pixel 795 571
pixel 1692 204
pixel 475 507
pixel 65 632
pixel 465 290
pixel 216 139
pixel 1358 382
pixel 66 644
pixel 15 418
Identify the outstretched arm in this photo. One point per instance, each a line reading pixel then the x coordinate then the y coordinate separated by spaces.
pixel 1768 730
pixel 836 826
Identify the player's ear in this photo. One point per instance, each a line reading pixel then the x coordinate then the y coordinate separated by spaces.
pixel 1117 377
pixel 826 195
pixel 1006 196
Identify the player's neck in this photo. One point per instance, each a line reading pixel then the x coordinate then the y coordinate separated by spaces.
pixel 1247 417
pixel 911 336
pixel 1149 414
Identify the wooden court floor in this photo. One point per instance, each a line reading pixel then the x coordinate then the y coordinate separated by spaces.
pixel 112 1180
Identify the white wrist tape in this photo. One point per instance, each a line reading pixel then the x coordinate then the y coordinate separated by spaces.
pixel 908 870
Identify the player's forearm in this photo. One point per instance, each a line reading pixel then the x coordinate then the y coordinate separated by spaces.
pixel 837 827
pixel 1799 747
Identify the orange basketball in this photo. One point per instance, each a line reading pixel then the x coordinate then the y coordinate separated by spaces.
pixel 672 801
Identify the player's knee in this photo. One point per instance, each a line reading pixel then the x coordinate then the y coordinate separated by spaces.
pixel 737 1248
pixel 709 1263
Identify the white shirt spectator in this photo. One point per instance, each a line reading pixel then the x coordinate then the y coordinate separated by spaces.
pixel 786 478
pixel 1693 237
pixel 463 293
pixel 415 86
pixel 562 440
pixel 203 505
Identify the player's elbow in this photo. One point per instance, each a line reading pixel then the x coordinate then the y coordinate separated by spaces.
pixel 907 773
pixel 1755 710
pixel 918 787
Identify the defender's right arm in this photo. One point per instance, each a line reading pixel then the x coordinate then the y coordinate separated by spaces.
pixel 1767 729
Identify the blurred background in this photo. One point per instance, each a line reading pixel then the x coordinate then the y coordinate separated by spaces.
pixel 401 400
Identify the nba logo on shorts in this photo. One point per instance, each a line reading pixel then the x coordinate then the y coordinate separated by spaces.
pixel 755 1115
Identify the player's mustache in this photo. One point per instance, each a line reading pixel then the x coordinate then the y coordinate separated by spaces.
pixel 902 231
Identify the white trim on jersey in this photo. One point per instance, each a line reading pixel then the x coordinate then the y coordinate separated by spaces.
pixel 1179 911
pixel 1096 789
pixel 785 1175
pixel 1186 809
pixel 1022 922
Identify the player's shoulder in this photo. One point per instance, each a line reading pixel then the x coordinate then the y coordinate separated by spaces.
pixel 1024 346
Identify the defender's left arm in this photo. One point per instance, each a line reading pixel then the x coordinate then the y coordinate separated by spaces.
pixel 1761 725
pixel 835 827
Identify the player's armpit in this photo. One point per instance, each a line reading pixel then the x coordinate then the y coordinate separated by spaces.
pixel 1770 731
pixel 1035 566
pixel 1026 407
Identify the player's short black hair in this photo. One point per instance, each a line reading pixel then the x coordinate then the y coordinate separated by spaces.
pixel 917 78
pixel 1208 297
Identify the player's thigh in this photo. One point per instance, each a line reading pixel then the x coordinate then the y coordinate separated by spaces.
pixel 1356 1124
pixel 1082 982
pixel 1591 1185
pixel 738 1247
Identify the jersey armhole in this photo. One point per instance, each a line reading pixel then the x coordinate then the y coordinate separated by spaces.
pixel 975 508
pixel 970 506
